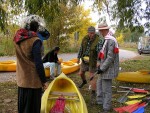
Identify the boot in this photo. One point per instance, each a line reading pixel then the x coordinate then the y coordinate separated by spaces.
pixel 82 84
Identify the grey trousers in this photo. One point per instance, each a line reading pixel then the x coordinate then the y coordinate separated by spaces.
pixel 104 93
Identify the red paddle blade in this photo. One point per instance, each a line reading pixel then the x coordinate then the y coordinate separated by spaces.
pixel 139 90
pixel 133 107
pixel 129 108
pixel 119 110
pixel 126 108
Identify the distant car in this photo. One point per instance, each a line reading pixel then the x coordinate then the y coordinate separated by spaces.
pixel 144 45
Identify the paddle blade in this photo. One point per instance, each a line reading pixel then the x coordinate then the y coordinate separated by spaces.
pixel 139 90
pixel 119 110
pixel 133 107
pixel 140 110
pixel 132 102
pixel 136 96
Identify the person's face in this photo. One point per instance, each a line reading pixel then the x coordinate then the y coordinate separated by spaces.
pixel 91 34
pixel 103 32
pixel 57 52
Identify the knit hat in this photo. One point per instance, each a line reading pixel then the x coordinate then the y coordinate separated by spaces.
pixel 33 18
pixel 56 48
pixel 91 29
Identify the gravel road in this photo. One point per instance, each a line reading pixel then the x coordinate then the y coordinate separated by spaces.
pixel 10 76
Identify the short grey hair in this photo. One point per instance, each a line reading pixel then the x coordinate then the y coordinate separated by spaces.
pixel 91 29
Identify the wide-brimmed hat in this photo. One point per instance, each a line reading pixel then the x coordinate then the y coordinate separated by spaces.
pixel 103 26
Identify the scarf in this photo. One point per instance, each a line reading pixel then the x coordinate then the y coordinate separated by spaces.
pixel 108 37
pixel 43 35
pixel 23 34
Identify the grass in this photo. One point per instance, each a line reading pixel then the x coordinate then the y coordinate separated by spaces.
pixel 139 63
pixel 128 46
pixel 9 89
pixel 7 48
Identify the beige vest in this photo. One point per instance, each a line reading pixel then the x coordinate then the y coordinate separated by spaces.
pixel 27 76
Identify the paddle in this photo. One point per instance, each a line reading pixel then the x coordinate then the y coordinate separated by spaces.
pixel 129 108
pixel 139 110
pixel 124 97
pixel 91 78
pixel 137 100
pixel 132 102
pixel 133 107
pixel 142 109
pixel 138 96
pixel 137 90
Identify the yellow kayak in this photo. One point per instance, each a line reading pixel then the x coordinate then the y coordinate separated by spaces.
pixel 142 76
pixel 66 67
pixel 63 86
pixel 70 66
pixel 8 65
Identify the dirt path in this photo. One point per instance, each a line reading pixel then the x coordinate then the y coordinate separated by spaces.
pixel 10 76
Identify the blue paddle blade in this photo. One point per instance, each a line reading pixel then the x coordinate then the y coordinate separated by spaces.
pixel 139 110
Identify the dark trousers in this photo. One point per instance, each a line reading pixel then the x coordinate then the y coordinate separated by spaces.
pixel 29 100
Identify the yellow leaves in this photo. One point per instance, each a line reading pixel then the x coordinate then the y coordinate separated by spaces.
pixel 120 39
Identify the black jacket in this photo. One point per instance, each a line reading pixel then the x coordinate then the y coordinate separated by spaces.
pixel 50 57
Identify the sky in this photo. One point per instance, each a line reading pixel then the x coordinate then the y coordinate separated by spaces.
pixel 94 14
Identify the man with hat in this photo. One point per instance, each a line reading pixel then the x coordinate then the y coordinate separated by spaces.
pixel 108 68
pixel 88 52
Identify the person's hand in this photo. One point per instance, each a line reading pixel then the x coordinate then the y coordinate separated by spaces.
pixel 59 62
pixel 45 85
pixel 99 71
pixel 78 61
pixel 98 65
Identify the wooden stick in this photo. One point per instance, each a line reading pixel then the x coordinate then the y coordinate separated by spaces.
pixel 63 93
pixel 53 98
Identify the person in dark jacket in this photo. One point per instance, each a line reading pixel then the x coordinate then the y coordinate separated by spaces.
pixel 30 71
pixel 90 46
pixel 51 61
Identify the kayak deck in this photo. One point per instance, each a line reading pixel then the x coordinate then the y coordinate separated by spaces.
pixel 9 65
pixel 63 86
pixel 142 76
